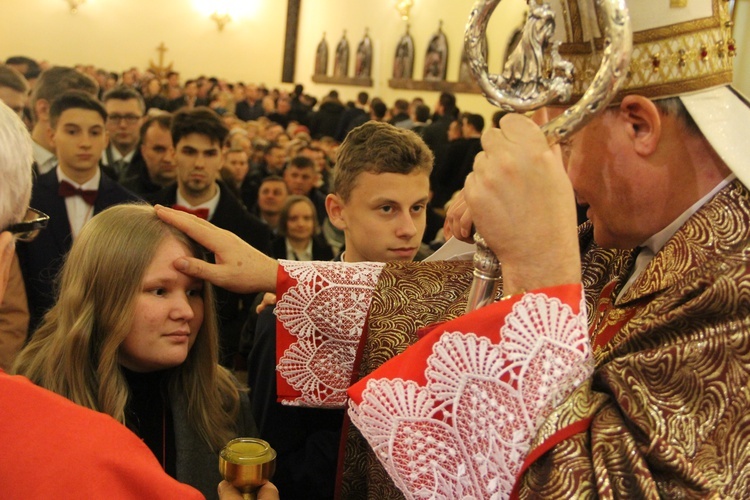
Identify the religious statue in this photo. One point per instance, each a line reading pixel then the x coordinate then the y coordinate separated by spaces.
pixel 363 62
pixel 341 62
pixel 403 63
pixel 321 57
pixel 436 60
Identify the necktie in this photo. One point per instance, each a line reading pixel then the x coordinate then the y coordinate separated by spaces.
pixel 198 212
pixel 67 189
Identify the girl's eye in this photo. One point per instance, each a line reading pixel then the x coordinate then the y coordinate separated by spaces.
pixel 198 292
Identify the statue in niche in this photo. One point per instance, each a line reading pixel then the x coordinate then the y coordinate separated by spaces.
pixel 341 63
pixel 403 63
pixel 436 60
pixel 321 57
pixel 363 61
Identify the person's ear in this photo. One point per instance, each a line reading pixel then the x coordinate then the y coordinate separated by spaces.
pixel 41 110
pixel 335 208
pixel 644 123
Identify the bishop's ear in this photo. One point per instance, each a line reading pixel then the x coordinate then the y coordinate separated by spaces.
pixel 643 121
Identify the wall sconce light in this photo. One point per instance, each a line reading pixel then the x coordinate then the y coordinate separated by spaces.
pixel 74 4
pixel 221 19
pixel 403 7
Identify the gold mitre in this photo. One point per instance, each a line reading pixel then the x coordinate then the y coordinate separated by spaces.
pixel 679 46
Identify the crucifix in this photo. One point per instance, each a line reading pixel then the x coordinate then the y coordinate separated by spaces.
pixel 160 70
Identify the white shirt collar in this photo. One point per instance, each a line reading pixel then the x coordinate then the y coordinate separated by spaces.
pixel 92 183
pixel 45 160
pixel 79 212
pixel 210 204
pixel 293 254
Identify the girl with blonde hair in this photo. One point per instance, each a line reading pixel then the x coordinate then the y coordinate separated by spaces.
pixel 133 337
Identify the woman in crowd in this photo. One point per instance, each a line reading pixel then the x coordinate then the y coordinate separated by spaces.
pixel 132 337
pixel 299 232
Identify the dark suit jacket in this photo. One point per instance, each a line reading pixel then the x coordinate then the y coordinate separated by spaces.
pixel 42 258
pixel 137 179
pixel 232 307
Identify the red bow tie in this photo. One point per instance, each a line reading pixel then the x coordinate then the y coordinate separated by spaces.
pixel 198 212
pixel 67 189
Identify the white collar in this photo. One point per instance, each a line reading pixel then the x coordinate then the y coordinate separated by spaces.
pixel 91 184
pixel 210 204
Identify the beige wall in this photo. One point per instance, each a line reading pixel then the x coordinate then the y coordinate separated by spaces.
pixel 117 34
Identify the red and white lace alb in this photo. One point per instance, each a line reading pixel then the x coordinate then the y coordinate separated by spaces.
pixel 454 415
pixel 322 309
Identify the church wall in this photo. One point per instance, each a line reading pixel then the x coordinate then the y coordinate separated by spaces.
pixel 117 34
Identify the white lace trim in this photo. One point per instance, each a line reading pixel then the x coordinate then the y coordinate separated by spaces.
pixel 326 311
pixel 466 433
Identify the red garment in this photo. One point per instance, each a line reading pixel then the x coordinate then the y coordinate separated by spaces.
pixel 53 448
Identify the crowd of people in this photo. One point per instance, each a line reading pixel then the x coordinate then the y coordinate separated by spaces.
pixel 615 362
pixel 260 165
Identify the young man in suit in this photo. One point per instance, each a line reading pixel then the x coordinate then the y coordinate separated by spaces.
pixel 71 194
pixel 198 135
pixel 125 110
pixel 380 192
pixel 52 83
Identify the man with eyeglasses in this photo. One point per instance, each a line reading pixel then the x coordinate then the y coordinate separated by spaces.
pixel 125 108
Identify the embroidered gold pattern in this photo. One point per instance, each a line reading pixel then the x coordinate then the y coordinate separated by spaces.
pixel 669 400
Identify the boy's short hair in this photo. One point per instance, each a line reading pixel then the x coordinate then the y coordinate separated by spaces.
pixel 378 148
pixel 163 121
pixel 56 80
pixel 300 161
pixel 12 79
pixel 123 93
pixel 74 99
pixel 200 120
pixel 476 121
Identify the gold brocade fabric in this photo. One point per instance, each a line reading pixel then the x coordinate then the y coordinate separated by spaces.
pixel 670 397
pixel 408 297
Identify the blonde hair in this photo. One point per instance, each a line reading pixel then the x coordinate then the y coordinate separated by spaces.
pixel 75 351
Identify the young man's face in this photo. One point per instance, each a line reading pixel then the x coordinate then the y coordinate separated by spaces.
pixel 198 162
pixel 299 180
pixel 236 163
pixel 384 218
pixel 271 196
pixel 124 118
pixel 275 159
pixel 79 139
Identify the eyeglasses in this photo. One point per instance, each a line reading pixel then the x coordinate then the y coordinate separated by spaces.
pixel 129 119
pixel 29 228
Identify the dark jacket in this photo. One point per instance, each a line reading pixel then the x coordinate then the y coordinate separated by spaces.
pixel 42 258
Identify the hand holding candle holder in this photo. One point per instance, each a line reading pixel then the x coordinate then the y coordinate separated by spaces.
pixel 248 464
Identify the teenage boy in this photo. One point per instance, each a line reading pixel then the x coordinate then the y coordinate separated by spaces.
pixel 71 194
pixel 198 135
pixel 380 192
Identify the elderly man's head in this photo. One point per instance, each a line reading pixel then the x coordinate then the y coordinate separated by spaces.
pixel 15 188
